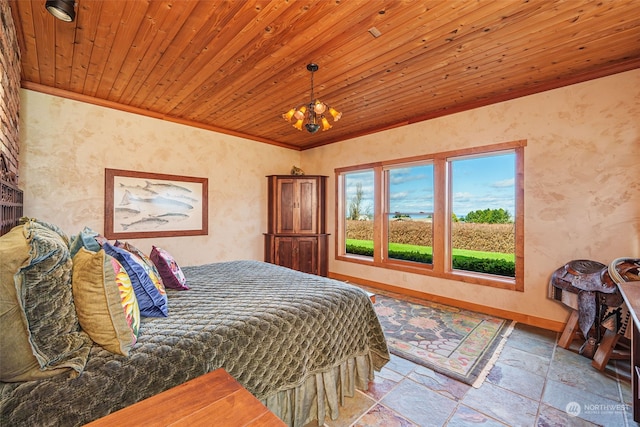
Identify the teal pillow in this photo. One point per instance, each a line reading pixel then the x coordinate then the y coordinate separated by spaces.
pixel 85 239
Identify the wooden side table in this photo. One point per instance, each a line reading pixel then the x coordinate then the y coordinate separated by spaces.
pixel 213 399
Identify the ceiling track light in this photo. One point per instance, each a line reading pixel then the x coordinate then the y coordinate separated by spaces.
pixel 312 115
pixel 62 9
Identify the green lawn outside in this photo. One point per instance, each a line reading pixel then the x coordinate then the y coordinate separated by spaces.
pixel 401 247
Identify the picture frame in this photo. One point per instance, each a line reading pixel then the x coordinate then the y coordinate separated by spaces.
pixel 143 205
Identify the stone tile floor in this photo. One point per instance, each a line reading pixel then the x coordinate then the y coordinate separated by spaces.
pixel 533 383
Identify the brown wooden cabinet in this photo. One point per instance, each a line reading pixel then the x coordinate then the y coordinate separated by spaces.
pixel 296 223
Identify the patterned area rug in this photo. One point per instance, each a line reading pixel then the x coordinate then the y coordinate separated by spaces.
pixel 458 343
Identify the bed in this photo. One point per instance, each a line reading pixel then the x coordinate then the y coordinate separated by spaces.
pixel 300 343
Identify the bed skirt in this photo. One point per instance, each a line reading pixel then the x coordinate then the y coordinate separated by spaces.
pixel 321 394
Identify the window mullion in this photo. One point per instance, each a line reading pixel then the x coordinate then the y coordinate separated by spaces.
pixel 519 219
pixel 379 227
pixel 341 212
pixel 440 227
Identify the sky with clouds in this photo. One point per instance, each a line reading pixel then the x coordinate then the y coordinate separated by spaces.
pixel 478 183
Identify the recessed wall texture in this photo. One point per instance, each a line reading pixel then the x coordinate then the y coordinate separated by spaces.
pixel 581 182
pixel 581 175
pixel 581 178
pixel 66 145
pixel 9 88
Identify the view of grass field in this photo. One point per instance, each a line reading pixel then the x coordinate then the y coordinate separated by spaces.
pixel 403 247
pixel 486 248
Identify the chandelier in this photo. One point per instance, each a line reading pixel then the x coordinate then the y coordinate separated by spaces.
pixel 311 115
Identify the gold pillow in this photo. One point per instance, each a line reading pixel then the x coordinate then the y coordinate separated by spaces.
pixel 40 333
pixel 16 356
pixel 105 301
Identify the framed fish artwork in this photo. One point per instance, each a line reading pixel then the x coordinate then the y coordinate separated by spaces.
pixel 141 204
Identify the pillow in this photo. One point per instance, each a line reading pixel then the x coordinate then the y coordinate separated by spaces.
pixel 52 227
pixel 151 300
pixel 101 240
pixel 85 239
pixel 105 301
pixel 145 263
pixel 169 270
pixel 154 274
pixel 40 335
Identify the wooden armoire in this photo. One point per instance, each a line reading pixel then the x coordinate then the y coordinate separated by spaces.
pixel 296 227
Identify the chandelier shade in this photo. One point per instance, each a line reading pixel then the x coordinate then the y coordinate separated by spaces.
pixel 311 116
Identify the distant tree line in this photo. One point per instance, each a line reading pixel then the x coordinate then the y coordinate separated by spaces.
pixel 488 216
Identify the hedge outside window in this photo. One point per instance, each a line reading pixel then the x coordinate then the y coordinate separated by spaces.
pixel 411 215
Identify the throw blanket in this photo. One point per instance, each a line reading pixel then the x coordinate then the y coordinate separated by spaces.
pixel 270 327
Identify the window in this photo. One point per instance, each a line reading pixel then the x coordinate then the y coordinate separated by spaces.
pixel 457 215
pixel 482 230
pixel 359 197
pixel 409 213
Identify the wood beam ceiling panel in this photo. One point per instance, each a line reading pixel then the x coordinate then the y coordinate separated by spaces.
pixel 193 38
pixel 238 59
pixel 146 44
pixel 45 35
pixel 167 26
pixel 236 66
pixel 64 42
pixel 114 37
pixel 252 57
pixel 23 20
pixel 88 15
pixel 132 27
pixel 356 48
pixel 352 39
pixel 248 88
pixel 217 49
pixel 429 78
pixel 383 63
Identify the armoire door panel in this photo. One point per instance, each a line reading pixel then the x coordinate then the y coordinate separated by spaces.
pixel 307 254
pixel 285 252
pixel 286 207
pixel 308 206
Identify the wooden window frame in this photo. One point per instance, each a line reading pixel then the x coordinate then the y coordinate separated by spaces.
pixel 441 266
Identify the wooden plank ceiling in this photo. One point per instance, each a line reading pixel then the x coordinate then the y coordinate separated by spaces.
pixel 235 66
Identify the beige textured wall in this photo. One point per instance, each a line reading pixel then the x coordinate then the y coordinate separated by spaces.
pixel 582 182
pixel 581 177
pixel 66 145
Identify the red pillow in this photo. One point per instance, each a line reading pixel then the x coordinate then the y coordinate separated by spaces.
pixel 170 272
